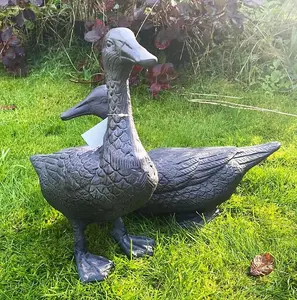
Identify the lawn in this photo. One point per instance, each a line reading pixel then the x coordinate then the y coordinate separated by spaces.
pixel 36 243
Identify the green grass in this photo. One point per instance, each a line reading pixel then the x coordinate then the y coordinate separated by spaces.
pixel 210 263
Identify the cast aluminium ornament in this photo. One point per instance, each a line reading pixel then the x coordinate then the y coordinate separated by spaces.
pixel 192 181
pixel 99 185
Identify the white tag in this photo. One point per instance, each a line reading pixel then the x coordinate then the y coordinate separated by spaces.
pixel 94 136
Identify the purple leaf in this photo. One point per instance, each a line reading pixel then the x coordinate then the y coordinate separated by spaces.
pixel 6 61
pixel 161 73
pixel 98 24
pixel 6 34
pixel 109 5
pixel 165 35
pixel 14 42
pixel 155 88
pixel 19 19
pixel 37 2
pixel 136 70
pixel 92 36
pixel 134 76
pixel 98 32
pixel 151 3
pixel 162 45
pixel 20 51
pixel 29 14
pixel 163 39
pixel 89 25
pixel 139 14
pixel 10 54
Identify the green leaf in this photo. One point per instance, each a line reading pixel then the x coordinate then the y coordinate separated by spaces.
pixel 276 63
pixel 276 76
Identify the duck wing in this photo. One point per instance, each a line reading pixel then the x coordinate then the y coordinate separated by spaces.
pixel 68 168
pixel 178 166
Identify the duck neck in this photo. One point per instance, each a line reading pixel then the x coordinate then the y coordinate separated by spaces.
pixel 121 141
pixel 119 101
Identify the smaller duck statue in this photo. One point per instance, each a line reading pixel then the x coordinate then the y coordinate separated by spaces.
pixel 95 185
pixel 192 181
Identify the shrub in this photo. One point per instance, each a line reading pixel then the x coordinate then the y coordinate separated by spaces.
pixel 264 55
pixel 16 16
pixel 27 23
pixel 186 28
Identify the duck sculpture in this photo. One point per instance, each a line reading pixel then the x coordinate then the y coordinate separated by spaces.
pixel 192 181
pixel 98 185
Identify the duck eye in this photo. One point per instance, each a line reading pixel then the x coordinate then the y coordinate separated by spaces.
pixel 109 43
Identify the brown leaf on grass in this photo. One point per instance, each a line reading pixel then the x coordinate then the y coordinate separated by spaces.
pixel 262 265
pixel 8 107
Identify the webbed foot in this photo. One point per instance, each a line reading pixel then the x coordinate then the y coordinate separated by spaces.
pixel 136 246
pixel 91 267
pixel 187 220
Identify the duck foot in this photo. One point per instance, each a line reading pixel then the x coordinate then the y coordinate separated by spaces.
pixel 136 246
pixel 91 267
pixel 187 220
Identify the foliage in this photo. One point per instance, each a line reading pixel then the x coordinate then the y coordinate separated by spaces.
pixel 160 76
pixel 26 24
pixel 167 21
pixel 264 55
pixel 15 15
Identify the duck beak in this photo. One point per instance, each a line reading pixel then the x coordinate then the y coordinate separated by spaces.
pixel 138 55
pixel 81 109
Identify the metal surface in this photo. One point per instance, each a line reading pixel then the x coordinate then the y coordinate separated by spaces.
pixel 98 185
pixel 192 181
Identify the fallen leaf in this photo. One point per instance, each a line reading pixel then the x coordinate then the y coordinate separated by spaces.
pixel 262 265
pixel 8 107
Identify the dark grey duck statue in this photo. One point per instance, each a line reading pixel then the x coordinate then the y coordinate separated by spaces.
pixel 99 185
pixel 192 181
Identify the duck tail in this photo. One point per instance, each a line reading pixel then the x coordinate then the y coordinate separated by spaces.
pixel 37 163
pixel 253 155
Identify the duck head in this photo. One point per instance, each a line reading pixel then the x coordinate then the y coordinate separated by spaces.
pixel 96 103
pixel 121 51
